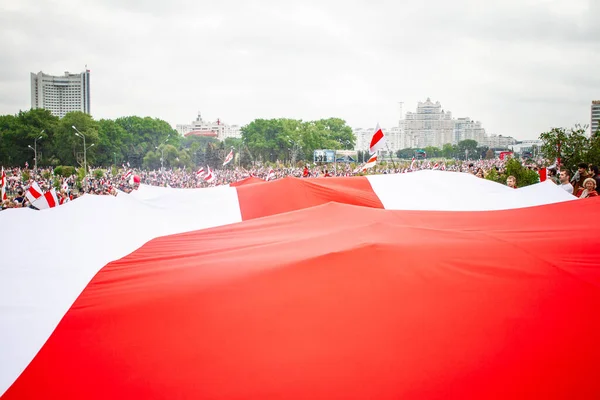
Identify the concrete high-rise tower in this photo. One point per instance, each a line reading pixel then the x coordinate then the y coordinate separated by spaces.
pixel 61 94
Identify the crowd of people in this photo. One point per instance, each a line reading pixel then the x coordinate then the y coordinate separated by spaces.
pixel 16 181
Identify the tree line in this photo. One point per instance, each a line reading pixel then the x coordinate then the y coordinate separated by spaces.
pixel 464 149
pixel 144 141
pixel 572 146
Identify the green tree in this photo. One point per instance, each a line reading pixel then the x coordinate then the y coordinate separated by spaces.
pixel 196 147
pixel 432 152
pixel 593 153
pixel 405 153
pixel 482 151
pixel 524 176
pixel 68 147
pixel 18 132
pixel 469 147
pixel 151 160
pixel 284 139
pixel 449 150
pixel 111 147
pixel 338 134
pixel 145 134
pixel 212 155
pixel 570 146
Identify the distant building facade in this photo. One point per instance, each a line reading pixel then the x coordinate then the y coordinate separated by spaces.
pixel 527 145
pixel 467 129
pixel 595 120
pixel 429 125
pixel 216 129
pixel 61 94
pixel 498 141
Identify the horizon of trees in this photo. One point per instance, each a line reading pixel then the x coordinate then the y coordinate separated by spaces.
pixel 143 141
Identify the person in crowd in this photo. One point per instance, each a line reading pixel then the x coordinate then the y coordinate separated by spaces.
pixel 580 176
pixel 305 172
pixel 479 173
pixel 552 176
pixel 511 182
pixel 20 199
pixel 588 189
pixel 565 184
pixel 595 175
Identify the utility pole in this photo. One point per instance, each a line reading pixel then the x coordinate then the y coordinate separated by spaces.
pixel 35 149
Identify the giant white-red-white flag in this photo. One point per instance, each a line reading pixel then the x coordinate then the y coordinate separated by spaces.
pixel 377 141
pixel 228 158
pixel 98 329
pixel 3 186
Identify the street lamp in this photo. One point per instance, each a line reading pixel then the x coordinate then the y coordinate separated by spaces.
pixel 81 135
pixel 162 154
pixel 35 149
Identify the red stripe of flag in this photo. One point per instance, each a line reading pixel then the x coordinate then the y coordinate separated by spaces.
pixel 50 199
pixel 35 193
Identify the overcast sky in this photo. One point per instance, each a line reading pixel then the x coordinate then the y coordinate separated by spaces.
pixel 518 66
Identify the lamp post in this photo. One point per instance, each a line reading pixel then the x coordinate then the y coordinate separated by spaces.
pixel 81 135
pixel 162 154
pixel 34 148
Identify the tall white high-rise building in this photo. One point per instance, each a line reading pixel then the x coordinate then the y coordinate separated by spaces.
pixel 61 94
pixel 595 122
pixel 216 129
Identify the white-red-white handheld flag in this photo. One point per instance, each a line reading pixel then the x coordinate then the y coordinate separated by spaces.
pixel 371 163
pixel 377 141
pixel 228 158
pixel 209 176
pixel 34 192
